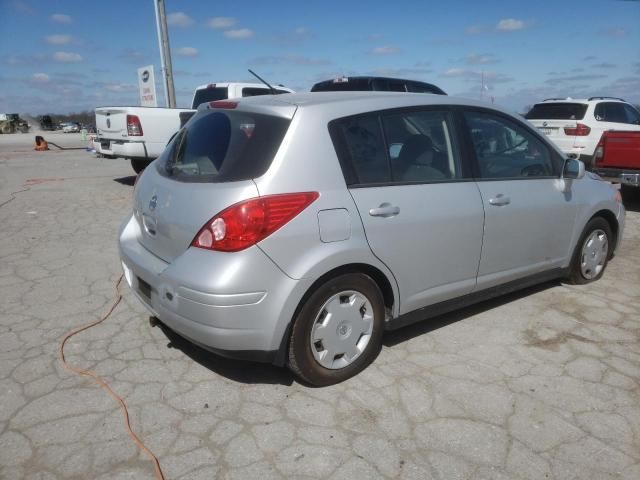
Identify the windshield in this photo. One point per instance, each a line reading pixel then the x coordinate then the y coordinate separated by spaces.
pixel 224 146
pixel 209 94
pixel 557 111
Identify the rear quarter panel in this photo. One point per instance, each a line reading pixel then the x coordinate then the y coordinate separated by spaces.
pixel 297 248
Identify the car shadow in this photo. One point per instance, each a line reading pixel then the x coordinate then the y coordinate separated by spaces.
pixel 126 180
pixel 241 371
pixel 428 325
pixel 631 198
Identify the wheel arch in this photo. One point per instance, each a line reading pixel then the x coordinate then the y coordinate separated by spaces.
pixel 611 219
pixel 377 275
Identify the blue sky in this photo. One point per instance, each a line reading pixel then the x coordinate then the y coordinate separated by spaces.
pixel 69 55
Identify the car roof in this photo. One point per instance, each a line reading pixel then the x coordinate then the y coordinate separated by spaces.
pixel 372 100
pixel 342 104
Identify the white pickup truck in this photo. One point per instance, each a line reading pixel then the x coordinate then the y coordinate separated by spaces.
pixel 141 133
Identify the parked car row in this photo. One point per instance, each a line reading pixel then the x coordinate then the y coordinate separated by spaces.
pixel 328 218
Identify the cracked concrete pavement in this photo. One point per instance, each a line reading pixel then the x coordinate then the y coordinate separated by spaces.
pixel 542 384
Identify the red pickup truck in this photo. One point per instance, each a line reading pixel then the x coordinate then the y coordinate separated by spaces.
pixel 617 157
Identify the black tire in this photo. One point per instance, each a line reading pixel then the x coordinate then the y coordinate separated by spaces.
pixel 301 359
pixel 576 272
pixel 139 164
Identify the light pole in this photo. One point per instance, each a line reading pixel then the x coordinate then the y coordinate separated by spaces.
pixel 165 54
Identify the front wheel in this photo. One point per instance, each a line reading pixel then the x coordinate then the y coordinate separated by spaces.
pixel 338 330
pixel 139 164
pixel 592 252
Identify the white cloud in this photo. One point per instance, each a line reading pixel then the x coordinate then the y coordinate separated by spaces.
pixel 120 87
pixel 455 72
pixel 614 32
pixel 480 59
pixel 240 33
pixel 179 19
pixel 40 77
pixel 510 25
pixel 386 50
pixel 186 52
pixel 67 57
pixel 221 22
pixel 475 29
pixel 58 39
pixel 60 18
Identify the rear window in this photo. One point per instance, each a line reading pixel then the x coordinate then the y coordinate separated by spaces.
pixel 557 111
pixel 351 85
pixel 224 146
pixel 209 94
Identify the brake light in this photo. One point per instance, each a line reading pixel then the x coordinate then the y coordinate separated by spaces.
pixel 211 85
pixel 226 104
pixel 580 130
pixel 598 155
pixel 134 128
pixel 246 223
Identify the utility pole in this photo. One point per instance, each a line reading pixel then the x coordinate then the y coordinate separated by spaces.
pixel 165 54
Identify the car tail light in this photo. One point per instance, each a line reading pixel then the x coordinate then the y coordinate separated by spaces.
pixel 226 104
pixel 248 222
pixel 134 128
pixel 580 130
pixel 598 155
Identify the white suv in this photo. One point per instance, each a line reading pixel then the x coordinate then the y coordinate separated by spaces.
pixel 576 125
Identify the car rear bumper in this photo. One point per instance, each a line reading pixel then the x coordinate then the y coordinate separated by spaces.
pixel 238 305
pixel 122 148
pixel 620 175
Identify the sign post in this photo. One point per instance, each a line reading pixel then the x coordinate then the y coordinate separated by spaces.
pixel 147 86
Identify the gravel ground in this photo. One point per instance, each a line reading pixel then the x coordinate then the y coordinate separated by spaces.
pixel 542 384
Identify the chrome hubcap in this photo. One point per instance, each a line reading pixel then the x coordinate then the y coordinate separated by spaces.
pixel 594 254
pixel 342 329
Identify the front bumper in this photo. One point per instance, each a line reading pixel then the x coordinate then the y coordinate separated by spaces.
pixel 238 305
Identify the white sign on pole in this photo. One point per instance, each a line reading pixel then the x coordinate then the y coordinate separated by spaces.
pixel 147 85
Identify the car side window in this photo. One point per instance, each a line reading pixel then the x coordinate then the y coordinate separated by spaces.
pixel 505 149
pixel 364 145
pixel 421 147
pixel 611 112
pixel 632 114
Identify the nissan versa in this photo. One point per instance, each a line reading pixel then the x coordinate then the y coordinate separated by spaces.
pixel 296 229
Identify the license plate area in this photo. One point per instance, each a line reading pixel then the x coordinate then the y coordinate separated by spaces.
pixel 547 130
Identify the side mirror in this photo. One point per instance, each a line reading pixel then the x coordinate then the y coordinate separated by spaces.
pixel 573 169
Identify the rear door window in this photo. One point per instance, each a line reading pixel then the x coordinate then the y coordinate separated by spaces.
pixel 255 91
pixel 557 111
pixel 224 146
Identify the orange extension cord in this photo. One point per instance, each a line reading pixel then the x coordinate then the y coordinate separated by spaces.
pixel 105 385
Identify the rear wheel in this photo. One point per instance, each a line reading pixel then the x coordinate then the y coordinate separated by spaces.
pixel 338 331
pixel 592 252
pixel 139 164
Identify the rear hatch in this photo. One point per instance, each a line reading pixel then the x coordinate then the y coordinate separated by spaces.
pixel 209 166
pixel 554 117
pixel 111 122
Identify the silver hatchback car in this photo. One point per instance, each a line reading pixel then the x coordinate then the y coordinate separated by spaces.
pixel 296 229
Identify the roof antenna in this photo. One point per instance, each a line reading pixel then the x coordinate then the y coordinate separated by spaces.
pixel 273 90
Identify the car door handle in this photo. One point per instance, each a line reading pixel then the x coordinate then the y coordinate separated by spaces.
pixel 500 200
pixel 384 210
